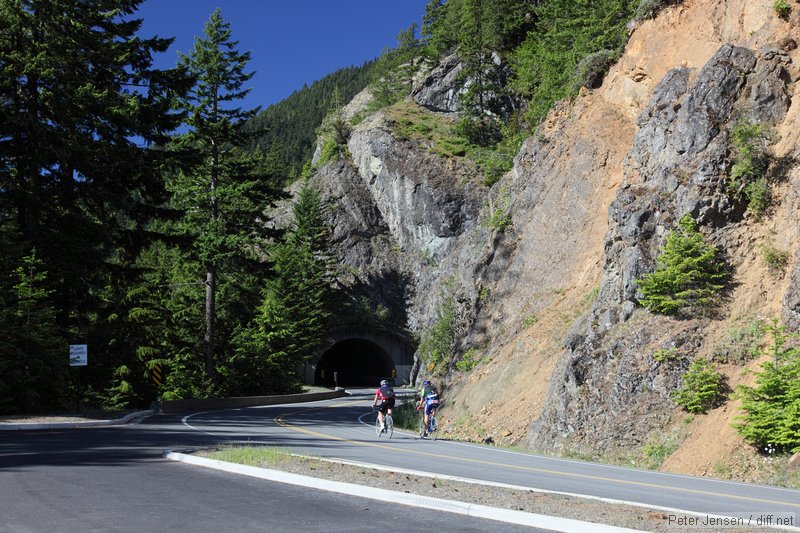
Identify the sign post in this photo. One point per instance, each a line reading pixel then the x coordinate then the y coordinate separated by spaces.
pixel 78 356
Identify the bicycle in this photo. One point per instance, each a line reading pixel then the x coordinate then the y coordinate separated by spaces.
pixel 389 429
pixel 430 431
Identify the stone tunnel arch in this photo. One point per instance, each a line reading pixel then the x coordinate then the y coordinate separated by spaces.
pixel 361 358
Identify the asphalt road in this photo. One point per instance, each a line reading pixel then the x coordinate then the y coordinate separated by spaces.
pixel 343 429
pixel 115 479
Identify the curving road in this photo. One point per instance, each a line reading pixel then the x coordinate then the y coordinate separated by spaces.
pixel 343 429
pixel 107 479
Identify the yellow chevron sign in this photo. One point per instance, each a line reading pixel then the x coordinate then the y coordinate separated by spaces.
pixel 158 377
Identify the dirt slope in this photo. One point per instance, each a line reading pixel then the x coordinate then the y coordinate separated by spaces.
pixel 560 233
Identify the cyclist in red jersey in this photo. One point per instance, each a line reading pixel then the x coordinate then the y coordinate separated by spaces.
pixel 385 397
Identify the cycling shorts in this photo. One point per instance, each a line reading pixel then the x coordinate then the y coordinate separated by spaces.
pixel 430 406
pixel 386 404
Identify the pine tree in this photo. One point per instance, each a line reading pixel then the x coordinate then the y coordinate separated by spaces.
pixel 223 194
pixel 80 104
pixel 688 275
pixel 771 419
pixel 295 310
pixel 479 121
pixel 702 387
pixel 33 360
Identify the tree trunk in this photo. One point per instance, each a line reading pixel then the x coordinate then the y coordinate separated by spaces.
pixel 208 339
pixel 211 271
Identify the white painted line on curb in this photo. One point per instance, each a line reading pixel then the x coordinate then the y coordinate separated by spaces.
pixel 566 525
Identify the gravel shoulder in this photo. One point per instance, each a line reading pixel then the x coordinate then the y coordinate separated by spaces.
pixel 564 506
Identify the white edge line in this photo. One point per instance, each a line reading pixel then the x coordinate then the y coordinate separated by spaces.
pixel 566 525
pixel 617 467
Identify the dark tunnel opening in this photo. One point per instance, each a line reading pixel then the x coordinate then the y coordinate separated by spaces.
pixel 356 362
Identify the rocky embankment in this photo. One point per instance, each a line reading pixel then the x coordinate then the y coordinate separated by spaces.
pixel 548 299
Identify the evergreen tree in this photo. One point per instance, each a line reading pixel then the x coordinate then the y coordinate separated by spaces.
pixel 295 310
pixel 702 387
pixel 80 102
pixel 393 72
pixel 478 122
pixel 688 275
pixel 34 361
pixel 440 26
pixel 771 419
pixel 222 194
pixel 564 33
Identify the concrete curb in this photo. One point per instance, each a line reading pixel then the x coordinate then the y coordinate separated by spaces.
pixel 566 525
pixel 87 424
pixel 214 404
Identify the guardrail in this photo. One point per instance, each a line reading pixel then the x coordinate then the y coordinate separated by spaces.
pixel 211 404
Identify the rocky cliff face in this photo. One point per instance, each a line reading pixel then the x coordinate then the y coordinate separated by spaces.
pixel 550 298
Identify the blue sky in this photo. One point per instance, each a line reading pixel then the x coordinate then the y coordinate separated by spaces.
pixel 292 42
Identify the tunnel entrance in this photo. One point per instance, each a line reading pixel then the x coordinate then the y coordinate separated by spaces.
pixel 357 362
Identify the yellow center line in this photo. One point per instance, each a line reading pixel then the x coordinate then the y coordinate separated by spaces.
pixel 281 422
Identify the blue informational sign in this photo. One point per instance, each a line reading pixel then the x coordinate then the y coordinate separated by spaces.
pixel 78 354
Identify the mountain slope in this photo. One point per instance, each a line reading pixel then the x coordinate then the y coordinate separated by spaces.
pixel 546 301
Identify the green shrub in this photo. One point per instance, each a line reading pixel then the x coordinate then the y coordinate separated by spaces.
pixel 406 416
pixel 666 354
pixel 493 163
pixel 529 320
pixel 703 388
pixel 757 194
pixel 775 259
pixel 751 159
pixel 783 9
pixel 659 447
pixel 499 214
pixel 771 419
pixel 688 274
pixel 648 9
pixel 741 343
pixel 438 341
pixel 329 152
pixel 591 70
pixel 469 360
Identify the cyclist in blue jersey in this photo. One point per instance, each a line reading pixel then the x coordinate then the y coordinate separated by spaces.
pixel 429 398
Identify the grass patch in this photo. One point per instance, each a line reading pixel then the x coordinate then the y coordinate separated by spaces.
pixel 661 446
pixel 412 122
pixel 742 342
pixel 251 455
pixel 749 468
pixel 776 259
pixel 470 360
pixel 442 137
pixel 406 416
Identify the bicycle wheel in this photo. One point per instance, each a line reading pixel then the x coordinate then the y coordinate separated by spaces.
pixel 422 428
pixel 378 427
pixel 433 428
pixel 389 426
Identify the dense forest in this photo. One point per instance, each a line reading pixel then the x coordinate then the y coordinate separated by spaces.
pixel 149 246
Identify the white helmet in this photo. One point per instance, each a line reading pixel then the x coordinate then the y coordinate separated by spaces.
pixel 384 383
